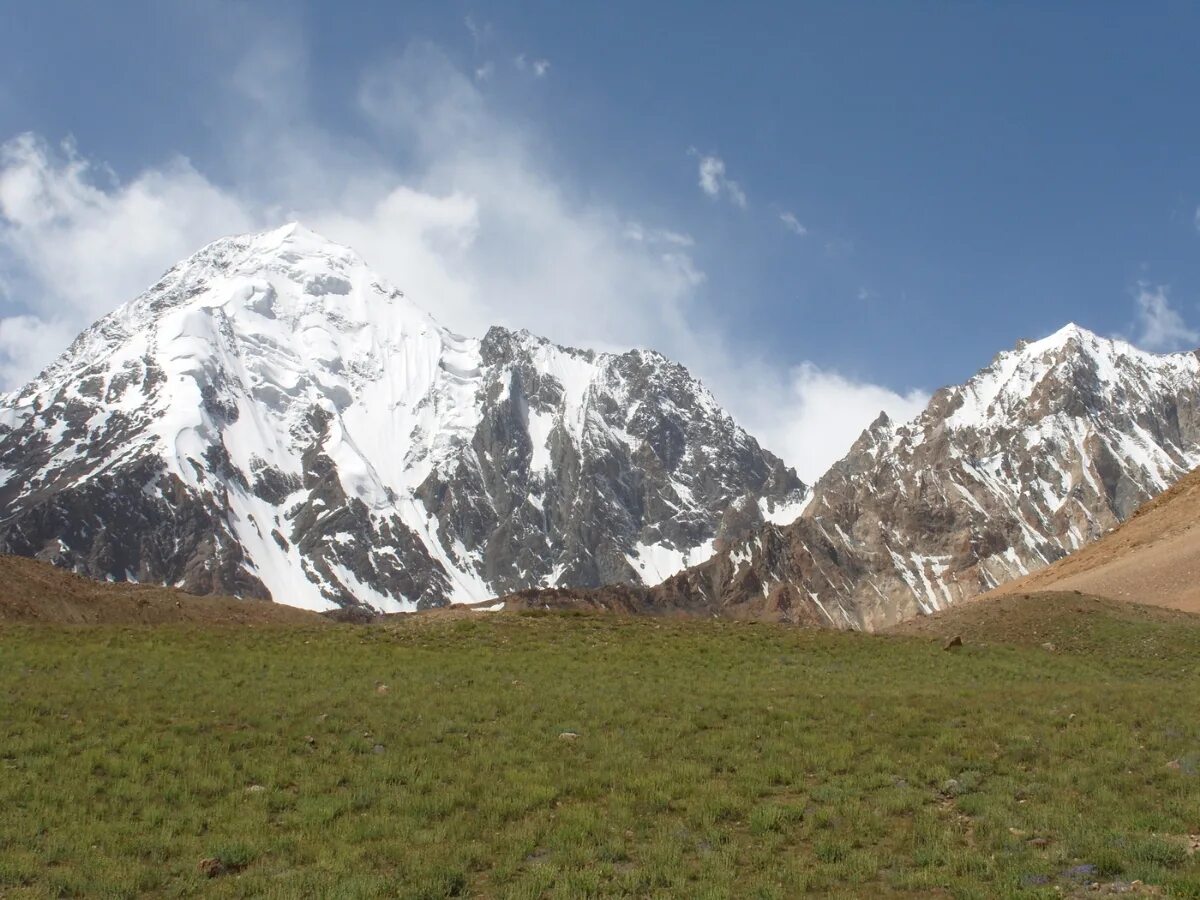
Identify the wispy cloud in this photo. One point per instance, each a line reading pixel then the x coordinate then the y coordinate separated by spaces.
pixel 715 181
pixel 792 224
pixel 484 72
pixel 481 32
pixel 473 225
pixel 28 343
pixel 473 199
pixel 539 67
pixel 1158 325
pixel 635 231
pixel 80 242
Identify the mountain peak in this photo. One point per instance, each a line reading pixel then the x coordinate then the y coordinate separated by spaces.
pixel 297 234
pixel 290 249
pixel 282 273
pixel 1048 447
pixel 1071 330
pixel 1065 335
pixel 279 422
pixel 292 240
pixel 1104 351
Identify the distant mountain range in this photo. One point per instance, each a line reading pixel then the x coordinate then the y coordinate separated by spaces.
pixel 272 419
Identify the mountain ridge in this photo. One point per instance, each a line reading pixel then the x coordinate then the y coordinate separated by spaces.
pixel 273 419
pixel 1041 452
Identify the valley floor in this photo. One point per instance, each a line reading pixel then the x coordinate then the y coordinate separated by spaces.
pixel 531 755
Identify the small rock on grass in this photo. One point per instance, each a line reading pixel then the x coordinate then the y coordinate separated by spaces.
pixel 954 643
pixel 568 736
pixel 211 867
pixel 255 789
pixel 1188 764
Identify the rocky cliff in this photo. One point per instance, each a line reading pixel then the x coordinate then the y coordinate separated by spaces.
pixel 1043 451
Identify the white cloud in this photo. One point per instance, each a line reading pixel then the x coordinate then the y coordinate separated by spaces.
pixel 792 224
pixel 540 67
pixel 79 241
pixel 1158 325
pixel 484 72
pixel 580 277
pixel 474 226
pixel 819 413
pixel 27 344
pixel 711 172
pixel 716 183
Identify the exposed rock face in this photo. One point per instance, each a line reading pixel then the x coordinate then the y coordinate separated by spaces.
pixel 272 419
pixel 1046 449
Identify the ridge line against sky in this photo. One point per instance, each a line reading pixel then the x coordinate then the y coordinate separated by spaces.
pixel 444 155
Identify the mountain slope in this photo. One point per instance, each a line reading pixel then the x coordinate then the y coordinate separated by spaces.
pixel 273 419
pixel 1068 622
pixel 1152 558
pixel 32 591
pixel 1037 455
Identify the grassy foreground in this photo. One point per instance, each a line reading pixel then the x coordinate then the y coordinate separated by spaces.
pixel 428 759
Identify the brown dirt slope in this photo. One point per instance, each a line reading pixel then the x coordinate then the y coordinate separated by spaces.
pixel 37 592
pixel 1153 557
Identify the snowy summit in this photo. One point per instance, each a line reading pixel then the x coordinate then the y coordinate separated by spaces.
pixel 273 419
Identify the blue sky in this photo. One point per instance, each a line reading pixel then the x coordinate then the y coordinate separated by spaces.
pixel 820 208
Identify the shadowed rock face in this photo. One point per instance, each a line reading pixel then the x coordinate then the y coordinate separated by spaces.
pixel 272 419
pixel 1040 453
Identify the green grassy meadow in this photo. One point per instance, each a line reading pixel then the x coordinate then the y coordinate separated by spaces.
pixel 425 758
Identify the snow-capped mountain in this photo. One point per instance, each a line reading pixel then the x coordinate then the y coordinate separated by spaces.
pixel 1047 448
pixel 273 419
